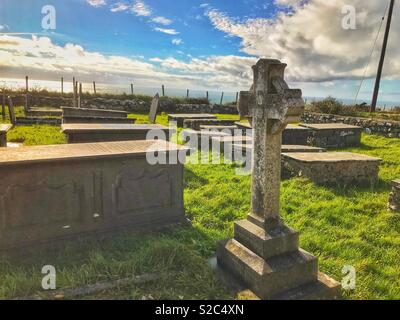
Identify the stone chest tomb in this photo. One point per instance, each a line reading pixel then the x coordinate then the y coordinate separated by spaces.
pixel 64 191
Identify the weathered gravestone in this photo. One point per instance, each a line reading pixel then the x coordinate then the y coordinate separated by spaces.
pixel 154 108
pixel 4 128
pixel 13 120
pixel 394 199
pixel 265 253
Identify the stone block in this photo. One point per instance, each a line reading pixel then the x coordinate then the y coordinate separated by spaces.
pixel 4 128
pixel 92 112
pixel 334 135
pixel 224 128
pixel 394 198
pixel 196 123
pixel 296 135
pixel 201 139
pixel 90 132
pixel 66 191
pixel 333 167
pixel 181 117
pixel 95 119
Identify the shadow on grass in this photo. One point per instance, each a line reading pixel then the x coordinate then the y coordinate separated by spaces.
pixel 193 180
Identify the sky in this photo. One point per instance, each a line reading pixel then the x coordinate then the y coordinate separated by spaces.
pixel 201 44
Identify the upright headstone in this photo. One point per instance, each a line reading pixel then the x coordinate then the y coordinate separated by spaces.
pixel 265 253
pixel 11 111
pixel 153 109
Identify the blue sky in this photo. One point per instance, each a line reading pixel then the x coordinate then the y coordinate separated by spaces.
pixel 205 44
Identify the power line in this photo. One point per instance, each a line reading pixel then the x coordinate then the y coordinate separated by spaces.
pixel 371 54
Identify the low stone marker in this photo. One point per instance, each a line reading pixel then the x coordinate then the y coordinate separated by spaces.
pixel 90 132
pixel 4 128
pixel 334 135
pixel 181 117
pixel 67 191
pixel 86 112
pixel 196 123
pixel 333 167
pixel 154 108
pixel 264 253
pixel 394 198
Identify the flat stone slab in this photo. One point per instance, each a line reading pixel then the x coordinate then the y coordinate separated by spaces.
pixel 43 112
pixel 285 148
pixel 81 112
pixel 333 167
pixel 181 117
pixel 334 135
pixel 60 192
pixel 196 123
pixel 70 152
pixel 95 119
pixel 328 126
pixel 4 128
pixel 91 132
pixel 201 139
pixel 217 128
pixel 233 139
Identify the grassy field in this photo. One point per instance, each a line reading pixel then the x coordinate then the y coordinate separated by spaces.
pixel 342 226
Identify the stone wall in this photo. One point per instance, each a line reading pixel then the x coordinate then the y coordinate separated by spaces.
pixel 133 105
pixel 387 128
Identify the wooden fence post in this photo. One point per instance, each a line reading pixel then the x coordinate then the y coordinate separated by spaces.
pixel 222 98
pixel 187 93
pixel 163 90
pixel 132 88
pixel 207 94
pixel 26 93
pixel 62 85
pixel 80 95
pixel 237 97
pixel 74 92
pixel 94 87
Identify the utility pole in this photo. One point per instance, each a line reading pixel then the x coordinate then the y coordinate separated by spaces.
pixel 382 60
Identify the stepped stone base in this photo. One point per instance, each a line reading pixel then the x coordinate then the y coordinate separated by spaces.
pixel 272 265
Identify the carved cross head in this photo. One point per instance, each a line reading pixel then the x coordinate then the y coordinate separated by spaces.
pixel 270 92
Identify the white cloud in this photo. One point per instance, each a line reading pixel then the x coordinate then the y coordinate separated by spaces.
pixel 177 41
pixel 141 9
pixel 3 27
pixel 41 59
pixel 167 31
pixel 312 41
pixel 96 3
pixel 162 20
pixel 120 6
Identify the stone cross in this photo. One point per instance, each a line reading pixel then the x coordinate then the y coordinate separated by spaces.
pixel 271 106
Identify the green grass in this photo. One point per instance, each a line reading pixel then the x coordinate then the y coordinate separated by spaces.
pixel 341 226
